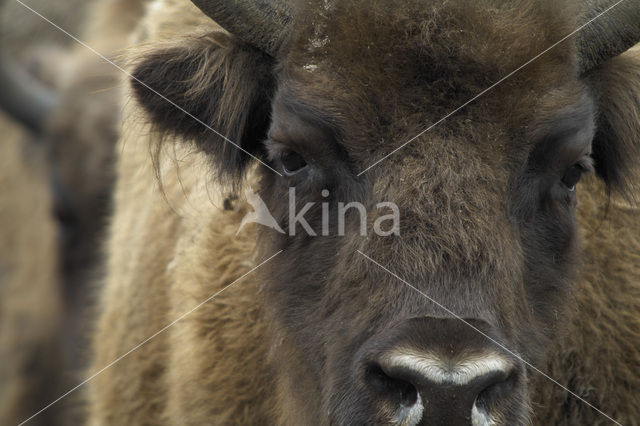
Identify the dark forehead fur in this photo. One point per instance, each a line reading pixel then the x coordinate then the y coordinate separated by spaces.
pixel 386 63
pixel 494 35
pixel 444 43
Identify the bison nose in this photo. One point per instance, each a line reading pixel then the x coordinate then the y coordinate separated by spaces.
pixel 433 372
pixel 423 388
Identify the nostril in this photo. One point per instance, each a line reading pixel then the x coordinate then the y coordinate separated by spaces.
pixel 496 387
pixel 446 391
pixel 399 391
pixel 438 371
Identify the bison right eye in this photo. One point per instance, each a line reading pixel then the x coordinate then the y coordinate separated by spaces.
pixel 575 172
pixel 572 177
pixel 292 163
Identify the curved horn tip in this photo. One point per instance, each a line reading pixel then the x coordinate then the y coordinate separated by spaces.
pixel 24 98
pixel 612 29
pixel 261 23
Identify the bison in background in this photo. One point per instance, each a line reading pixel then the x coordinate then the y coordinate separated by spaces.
pixel 30 301
pixel 56 175
pixel 496 226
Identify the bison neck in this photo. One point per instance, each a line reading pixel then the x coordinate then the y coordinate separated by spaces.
pixel 170 250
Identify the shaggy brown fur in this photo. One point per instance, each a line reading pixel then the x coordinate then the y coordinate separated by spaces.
pixel 169 384
pixel 488 229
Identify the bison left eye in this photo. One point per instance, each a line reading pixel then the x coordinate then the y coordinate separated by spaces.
pixel 572 176
pixel 292 163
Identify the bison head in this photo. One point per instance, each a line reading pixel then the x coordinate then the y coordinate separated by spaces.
pixel 442 320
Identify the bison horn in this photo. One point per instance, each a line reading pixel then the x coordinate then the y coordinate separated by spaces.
pixel 609 35
pixel 261 23
pixel 22 97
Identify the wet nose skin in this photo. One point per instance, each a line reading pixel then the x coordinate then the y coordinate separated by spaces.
pixel 442 372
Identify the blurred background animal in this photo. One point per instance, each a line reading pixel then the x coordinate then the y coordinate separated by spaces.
pixel 56 174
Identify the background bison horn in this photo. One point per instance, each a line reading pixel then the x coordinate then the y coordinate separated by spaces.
pixel 261 23
pixel 610 35
pixel 25 99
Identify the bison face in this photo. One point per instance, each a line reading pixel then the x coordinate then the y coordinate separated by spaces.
pixel 437 320
pixel 433 299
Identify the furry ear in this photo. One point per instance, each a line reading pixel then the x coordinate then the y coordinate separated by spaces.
pixel 220 81
pixel 616 147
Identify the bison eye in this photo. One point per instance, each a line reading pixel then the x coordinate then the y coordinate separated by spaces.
pixel 572 176
pixel 292 163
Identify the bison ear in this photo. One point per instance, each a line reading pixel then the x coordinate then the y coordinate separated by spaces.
pixel 616 147
pixel 213 91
